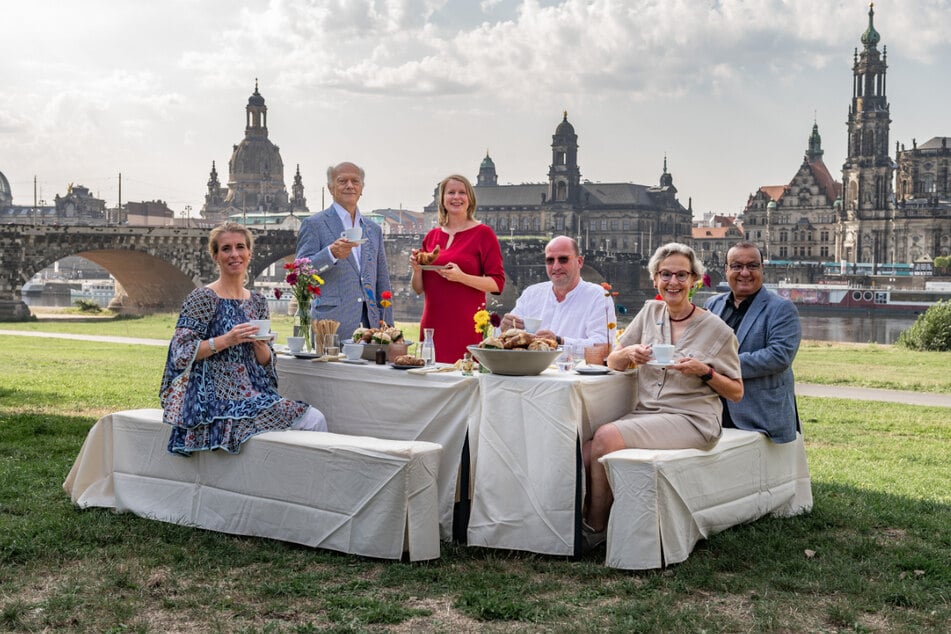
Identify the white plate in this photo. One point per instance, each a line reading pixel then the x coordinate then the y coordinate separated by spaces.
pixel 593 369
pixel 660 364
pixel 354 361
pixel 433 267
pixel 360 241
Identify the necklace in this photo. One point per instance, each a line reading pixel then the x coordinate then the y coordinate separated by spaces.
pixel 687 316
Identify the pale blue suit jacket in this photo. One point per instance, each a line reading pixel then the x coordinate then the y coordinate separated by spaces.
pixel 769 339
pixel 346 287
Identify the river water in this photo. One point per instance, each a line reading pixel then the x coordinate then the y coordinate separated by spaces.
pixel 858 329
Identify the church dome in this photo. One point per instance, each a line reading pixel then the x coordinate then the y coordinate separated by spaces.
pixel 871 37
pixel 256 156
pixel 256 99
pixel 6 195
pixel 564 128
pixel 487 163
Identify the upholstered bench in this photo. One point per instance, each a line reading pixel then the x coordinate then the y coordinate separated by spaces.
pixel 667 501
pixel 352 494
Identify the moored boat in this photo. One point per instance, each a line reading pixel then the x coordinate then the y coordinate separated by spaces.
pixel 850 299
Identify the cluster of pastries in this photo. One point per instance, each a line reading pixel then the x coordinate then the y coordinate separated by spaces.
pixel 408 359
pixel 383 335
pixel 515 339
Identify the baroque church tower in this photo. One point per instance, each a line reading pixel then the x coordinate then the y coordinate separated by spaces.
pixel 564 176
pixel 867 174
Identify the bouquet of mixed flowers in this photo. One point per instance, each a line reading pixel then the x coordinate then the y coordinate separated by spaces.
pixel 485 322
pixel 305 285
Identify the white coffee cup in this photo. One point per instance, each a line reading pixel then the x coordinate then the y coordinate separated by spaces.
pixel 532 324
pixel 662 352
pixel 295 344
pixel 264 326
pixel 353 234
pixel 353 351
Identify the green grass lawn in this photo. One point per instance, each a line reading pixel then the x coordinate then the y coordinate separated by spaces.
pixel 871 557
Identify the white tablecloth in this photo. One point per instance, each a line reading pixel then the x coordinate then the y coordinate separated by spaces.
pixel 379 401
pixel 527 483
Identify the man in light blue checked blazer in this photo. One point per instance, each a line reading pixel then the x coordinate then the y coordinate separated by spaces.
pixel 353 269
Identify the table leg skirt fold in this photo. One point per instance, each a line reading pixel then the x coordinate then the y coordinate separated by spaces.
pixel 358 495
pixel 666 501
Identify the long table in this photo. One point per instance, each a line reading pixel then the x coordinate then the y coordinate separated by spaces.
pixel 523 437
pixel 379 401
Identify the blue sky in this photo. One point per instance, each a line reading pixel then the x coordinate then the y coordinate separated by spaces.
pixel 416 89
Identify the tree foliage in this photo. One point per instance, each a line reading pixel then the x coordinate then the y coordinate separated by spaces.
pixel 931 331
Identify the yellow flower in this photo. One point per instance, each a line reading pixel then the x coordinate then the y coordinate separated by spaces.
pixel 481 319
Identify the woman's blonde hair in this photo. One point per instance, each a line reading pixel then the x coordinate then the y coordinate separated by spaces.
pixel 228 227
pixel 443 216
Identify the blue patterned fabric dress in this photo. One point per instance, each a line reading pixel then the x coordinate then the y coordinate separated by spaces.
pixel 222 400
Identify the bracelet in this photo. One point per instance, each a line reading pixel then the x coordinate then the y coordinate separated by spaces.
pixel 211 344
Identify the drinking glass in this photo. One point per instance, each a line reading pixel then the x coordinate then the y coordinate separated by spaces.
pixel 331 345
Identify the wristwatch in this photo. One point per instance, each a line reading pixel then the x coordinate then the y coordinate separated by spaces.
pixel 709 375
pixel 559 340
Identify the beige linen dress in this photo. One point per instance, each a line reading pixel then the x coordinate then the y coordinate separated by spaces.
pixel 674 410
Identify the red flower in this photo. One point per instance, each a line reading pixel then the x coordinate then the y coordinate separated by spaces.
pixel 495 319
pixel 291 278
pixel 277 293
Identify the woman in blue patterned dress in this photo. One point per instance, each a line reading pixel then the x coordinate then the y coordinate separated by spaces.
pixel 220 384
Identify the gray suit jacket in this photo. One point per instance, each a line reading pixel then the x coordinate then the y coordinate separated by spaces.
pixel 769 339
pixel 346 287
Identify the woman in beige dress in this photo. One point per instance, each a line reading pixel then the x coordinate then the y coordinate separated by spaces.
pixel 678 404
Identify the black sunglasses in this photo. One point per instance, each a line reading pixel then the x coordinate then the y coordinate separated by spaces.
pixel 562 259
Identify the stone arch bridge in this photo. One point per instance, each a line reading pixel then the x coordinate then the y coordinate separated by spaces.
pixel 158 266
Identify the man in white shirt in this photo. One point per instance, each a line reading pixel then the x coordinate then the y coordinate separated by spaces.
pixel 572 311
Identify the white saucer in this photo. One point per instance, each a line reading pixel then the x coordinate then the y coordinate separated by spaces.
pixel 354 361
pixel 360 241
pixel 433 267
pixel 660 364
pixel 592 369
pixel 262 337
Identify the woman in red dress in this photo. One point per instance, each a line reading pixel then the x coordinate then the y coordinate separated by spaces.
pixel 470 262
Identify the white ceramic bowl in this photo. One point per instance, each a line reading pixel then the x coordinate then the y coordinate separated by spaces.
pixel 514 362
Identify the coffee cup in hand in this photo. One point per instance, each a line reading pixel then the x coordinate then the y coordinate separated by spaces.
pixel 353 234
pixel 532 324
pixel 662 352
pixel 263 325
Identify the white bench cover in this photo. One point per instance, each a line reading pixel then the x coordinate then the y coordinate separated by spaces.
pixel 352 494
pixel 665 501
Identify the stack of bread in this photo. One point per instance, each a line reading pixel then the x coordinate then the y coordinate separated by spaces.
pixel 515 339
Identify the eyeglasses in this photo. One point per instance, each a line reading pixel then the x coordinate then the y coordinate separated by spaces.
pixel 752 267
pixel 562 259
pixel 682 276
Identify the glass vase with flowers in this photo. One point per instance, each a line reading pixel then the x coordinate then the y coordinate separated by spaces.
pixel 305 285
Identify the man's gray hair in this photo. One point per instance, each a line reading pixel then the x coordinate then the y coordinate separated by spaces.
pixel 675 248
pixel 333 168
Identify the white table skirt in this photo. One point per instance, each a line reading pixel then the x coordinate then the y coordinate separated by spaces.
pixel 667 500
pixel 379 401
pixel 356 495
pixel 527 481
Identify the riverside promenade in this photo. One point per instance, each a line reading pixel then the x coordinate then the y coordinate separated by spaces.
pixel 930 399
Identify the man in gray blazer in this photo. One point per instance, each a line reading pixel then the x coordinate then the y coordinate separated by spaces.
pixel 768 330
pixel 353 269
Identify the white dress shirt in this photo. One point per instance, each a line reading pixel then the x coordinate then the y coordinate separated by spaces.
pixel 581 318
